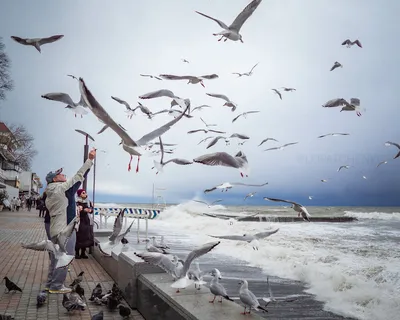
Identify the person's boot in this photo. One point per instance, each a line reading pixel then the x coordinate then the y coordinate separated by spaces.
pixel 77 256
pixel 83 254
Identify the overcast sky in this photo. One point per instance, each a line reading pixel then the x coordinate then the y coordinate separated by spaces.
pixel 294 42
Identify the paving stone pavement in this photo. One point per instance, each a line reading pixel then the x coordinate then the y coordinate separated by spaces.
pixel 28 269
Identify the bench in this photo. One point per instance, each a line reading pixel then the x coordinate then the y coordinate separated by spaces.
pixel 129 212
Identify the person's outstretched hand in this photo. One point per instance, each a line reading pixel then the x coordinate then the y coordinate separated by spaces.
pixel 92 154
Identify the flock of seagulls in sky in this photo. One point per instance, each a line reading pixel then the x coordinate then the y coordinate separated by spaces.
pixel 181 108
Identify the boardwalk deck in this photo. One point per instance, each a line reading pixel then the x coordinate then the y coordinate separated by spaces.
pixel 28 269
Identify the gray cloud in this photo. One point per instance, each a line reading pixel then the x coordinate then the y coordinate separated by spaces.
pixel 296 43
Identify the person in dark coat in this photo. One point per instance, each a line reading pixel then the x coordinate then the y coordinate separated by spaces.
pixel 84 236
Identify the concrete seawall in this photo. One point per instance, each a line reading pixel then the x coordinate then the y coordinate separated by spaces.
pixel 148 288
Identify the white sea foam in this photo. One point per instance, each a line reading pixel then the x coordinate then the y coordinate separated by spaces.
pixel 373 215
pixel 352 268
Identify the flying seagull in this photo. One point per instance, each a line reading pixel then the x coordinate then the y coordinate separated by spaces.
pixel 249 195
pixel 205 131
pixel 208 204
pixel 205 139
pixel 58 247
pixel 232 32
pixel 184 60
pixel 160 165
pixel 334 135
pixel 178 270
pixel 200 107
pixel 248 74
pixel 388 143
pixel 150 76
pixel 164 93
pixel 252 239
pixel 214 141
pixel 350 43
pixel 295 206
pixel 336 65
pixel 354 105
pixel 265 140
pixel 244 114
pixel 128 144
pixel 145 110
pixel 333 103
pixel 173 112
pixel 340 168
pixel 239 161
pixel 288 89
pixel 206 124
pixel 281 147
pixel 129 110
pixel 191 79
pixel 36 42
pixel 380 163
pixel 116 236
pixel 76 107
pixel 227 185
pixel 278 93
pixel 228 102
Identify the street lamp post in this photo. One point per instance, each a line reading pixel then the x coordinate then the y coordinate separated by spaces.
pixel 85 151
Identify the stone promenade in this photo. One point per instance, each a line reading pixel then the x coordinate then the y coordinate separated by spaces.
pixel 28 269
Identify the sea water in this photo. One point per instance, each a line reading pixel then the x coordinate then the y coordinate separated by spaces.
pixel 354 268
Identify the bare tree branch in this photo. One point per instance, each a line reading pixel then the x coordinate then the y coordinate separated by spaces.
pixel 22 146
pixel 6 84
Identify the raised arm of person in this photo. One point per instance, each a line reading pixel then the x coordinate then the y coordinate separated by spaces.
pixel 79 176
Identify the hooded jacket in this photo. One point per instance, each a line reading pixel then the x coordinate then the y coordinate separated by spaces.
pixel 57 202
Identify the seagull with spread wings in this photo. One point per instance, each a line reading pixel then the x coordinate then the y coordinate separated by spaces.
pixel 128 144
pixel 116 236
pixel 232 32
pixel 354 105
pixel 166 93
pixel 129 110
pixel 175 268
pixel 59 247
pixel 380 163
pixel 227 185
pixel 228 102
pixel 160 165
pixel 281 147
pixel 288 89
pixel 208 204
pixel 191 79
pixel 278 93
pixel 205 131
pixel 252 239
pixel 295 206
pixel 334 135
pixel 265 140
pixel 206 124
pixel 342 167
pixel 388 143
pixel 348 43
pixel 76 107
pixel 249 195
pixel 248 74
pixel 336 65
pixel 239 161
pixel 37 42
pixel 244 115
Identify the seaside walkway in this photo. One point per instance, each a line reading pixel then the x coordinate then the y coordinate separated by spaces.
pixel 28 269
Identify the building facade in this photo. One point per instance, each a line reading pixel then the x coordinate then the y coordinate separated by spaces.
pixel 29 184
